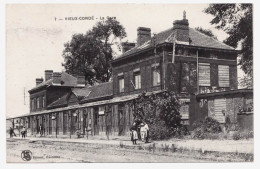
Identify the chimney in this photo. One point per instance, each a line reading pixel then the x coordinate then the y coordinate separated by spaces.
pixel 181 29
pixel 81 81
pixel 48 74
pixel 56 76
pixel 127 46
pixel 39 81
pixel 143 35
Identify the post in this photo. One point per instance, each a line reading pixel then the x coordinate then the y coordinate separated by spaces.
pixel 19 127
pixel 56 123
pixel 198 72
pixel 70 122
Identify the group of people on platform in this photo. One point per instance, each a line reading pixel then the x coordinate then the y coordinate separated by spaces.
pixel 23 132
pixel 139 131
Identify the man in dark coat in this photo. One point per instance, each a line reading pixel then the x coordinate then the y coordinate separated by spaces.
pixel 12 132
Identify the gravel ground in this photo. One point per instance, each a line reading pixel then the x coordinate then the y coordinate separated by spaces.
pixel 55 151
pixel 240 146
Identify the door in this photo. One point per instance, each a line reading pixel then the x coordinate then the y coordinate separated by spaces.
pixel 50 125
pixel 37 125
pixel 96 121
pixel 65 123
pixel 220 109
pixel 121 120
pixel 108 120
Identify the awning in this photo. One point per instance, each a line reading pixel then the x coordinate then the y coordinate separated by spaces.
pixel 91 104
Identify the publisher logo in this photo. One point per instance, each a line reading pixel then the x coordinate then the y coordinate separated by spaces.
pixel 26 155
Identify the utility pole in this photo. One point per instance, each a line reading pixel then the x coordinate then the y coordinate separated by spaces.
pixel 197 71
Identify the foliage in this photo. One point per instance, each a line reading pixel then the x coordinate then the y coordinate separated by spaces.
pixel 203 127
pixel 236 21
pixel 160 112
pixel 246 82
pixel 206 32
pixel 158 131
pixel 236 135
pixel 90 54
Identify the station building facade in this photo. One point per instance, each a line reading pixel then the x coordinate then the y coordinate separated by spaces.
pixel 179 59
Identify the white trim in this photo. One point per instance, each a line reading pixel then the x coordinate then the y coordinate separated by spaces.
pixel 136 70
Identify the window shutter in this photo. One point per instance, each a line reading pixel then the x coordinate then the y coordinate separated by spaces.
pixel 220 109
pixel 204 74
pixel 223 75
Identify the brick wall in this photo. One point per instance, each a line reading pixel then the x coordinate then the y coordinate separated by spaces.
pixel 145 65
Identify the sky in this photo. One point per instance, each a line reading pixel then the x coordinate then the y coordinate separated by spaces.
pixel 35 37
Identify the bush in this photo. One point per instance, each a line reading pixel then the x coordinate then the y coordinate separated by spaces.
pixel 236 136
pixel 208 125
pixel 158 131
pixel 161 112
pixel 247 134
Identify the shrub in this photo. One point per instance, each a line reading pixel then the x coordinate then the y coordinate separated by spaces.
pixel 247 134
pixel 203 127
pixel 158 131
pixel 161 113
pixel 236 136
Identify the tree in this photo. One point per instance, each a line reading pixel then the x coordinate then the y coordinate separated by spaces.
pixel 206 32
pixel 90 54
pixel 236 21
pixel 161 112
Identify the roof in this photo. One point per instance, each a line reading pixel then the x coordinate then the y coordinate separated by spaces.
pixel 86 94
pixel 101 90
pixel 59 102
pixel 67 79
pixel 90 104
pixel 198 39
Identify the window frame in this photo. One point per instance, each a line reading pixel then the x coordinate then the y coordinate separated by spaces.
pixel 121 78
pixel 138 74
pixel 204 65
pixel 219 76
pixel 156 70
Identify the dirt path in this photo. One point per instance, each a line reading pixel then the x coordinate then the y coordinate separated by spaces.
pixel 45 151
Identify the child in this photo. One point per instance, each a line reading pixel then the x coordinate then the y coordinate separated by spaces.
pixel 134 136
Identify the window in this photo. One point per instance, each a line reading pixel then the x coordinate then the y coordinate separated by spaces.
pixel 156 77
pixel 43 101
pixel 223 76
pixel 38 103
pixel 204 74
pixel 121 84
pixel 32 104
pixel 101 110
pixel 137 80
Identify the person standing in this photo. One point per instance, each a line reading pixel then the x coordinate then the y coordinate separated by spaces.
pixel 41 129
pixel 133 133
pixel 23 132
pixel 144 132
pixel 11 132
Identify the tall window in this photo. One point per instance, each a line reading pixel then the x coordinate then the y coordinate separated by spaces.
pixel 137 78
pixel 121 84
pixel 156 77
pixel 204 74
pixel 43 101
pixel 32 104
pixel 223 76
pixel 38 103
